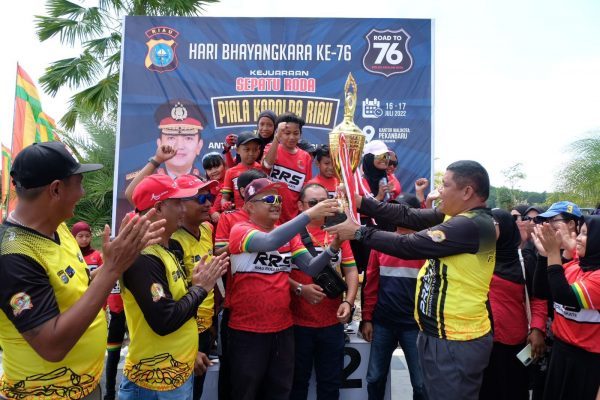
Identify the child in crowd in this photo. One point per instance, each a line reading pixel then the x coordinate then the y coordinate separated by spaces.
pixel 326 176
pixel 248 148
pixel 83 235
pixel 288 163
pixel 265 129
pixel 215 169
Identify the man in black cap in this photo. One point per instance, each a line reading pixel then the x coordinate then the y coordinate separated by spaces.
pixel 52 330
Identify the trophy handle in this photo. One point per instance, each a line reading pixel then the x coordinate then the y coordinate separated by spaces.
pixel 350 91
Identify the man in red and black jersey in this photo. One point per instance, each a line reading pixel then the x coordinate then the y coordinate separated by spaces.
pixel 318 319
pixel 261 343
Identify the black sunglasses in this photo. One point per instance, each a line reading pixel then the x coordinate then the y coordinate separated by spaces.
pixel 314 202
pixel 202 198
pixel 393 163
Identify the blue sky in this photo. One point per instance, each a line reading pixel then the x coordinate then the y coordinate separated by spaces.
pixel 515 81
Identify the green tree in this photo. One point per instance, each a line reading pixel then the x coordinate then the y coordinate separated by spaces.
pixel 97 29
pixel 579 180
pixel 96 147
pixel 513 175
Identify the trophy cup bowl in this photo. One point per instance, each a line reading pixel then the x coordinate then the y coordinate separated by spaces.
pixel 354 141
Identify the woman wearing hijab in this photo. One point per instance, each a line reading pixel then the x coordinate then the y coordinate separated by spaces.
pixel 506 377
pixel 375 175
pixel 574 370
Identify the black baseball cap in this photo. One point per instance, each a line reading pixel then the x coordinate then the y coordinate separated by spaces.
pixel 245 137
pixel 41 163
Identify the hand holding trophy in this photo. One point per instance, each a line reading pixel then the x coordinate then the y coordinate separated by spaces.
pixel 346 142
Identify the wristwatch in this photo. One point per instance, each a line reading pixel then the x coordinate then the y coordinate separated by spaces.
pixel 358 235
pixel 298 291
pixel 152 161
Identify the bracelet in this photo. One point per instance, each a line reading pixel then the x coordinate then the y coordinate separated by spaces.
pixel 332 253
pixel 350 304
pixel 152 161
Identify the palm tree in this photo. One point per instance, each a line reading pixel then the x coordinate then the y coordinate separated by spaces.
pixel 96 147
pixel 98 30
pixel 579 181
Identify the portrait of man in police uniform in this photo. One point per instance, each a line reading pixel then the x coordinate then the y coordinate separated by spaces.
pixel 180 123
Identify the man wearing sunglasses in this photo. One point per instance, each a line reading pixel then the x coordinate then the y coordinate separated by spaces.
pixel 318 319
pixel 161 306
pixel 261 339
pixel 193 240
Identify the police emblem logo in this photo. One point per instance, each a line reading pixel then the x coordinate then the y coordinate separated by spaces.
pixel 157 292
pixel 80 257
pixel 161 56
pixel 63 276
pixel 387 53
pixel 20 302
pixel 437 236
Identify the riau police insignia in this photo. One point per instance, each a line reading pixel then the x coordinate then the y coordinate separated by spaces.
pixel 161 56
pixel 157 292
pixel 20 302
pixel 63 276
pixel 387 53
pixel 437 236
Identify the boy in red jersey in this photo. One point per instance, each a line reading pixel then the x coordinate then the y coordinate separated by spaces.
pixel 326 176
pixel 261 342
pixel 288 163
pixel 248 147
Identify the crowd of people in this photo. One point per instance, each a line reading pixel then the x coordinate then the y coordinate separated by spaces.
pixel 241 262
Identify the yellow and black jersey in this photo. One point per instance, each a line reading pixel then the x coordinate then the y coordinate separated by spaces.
pixel 453 284
pixel 194 248
pixel 159 308
pixel 39 279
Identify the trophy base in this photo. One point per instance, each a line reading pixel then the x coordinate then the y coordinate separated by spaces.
pixel 334 220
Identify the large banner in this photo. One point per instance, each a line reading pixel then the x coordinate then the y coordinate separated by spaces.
pixel 203 78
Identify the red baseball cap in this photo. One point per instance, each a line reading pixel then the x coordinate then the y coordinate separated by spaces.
pixel 155 188
pixel 261 185
pixel 193 182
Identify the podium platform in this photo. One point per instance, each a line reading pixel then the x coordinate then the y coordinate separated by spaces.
pixel 354 385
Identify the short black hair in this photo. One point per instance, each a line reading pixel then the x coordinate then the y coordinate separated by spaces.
pixel 321 151
pixel 289 117
pixel 248 176
pixel 468 172
pixel 310 186
pixel 212 160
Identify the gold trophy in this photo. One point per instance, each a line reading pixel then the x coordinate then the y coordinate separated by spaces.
pixel 346 142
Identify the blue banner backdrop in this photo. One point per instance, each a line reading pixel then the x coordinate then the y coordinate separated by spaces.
pixel 234 68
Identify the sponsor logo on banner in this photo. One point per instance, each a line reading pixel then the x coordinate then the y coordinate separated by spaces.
pixel 293 179
pixel 161 56
pixel 387 53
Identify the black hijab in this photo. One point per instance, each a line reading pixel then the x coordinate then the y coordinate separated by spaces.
pixel 372 174
pixel 591 260
pixel 508 265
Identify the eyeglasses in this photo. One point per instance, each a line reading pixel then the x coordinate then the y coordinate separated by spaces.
pixel 383 157
pixel 202 198
pixel 270 199
pixel 516 217
pixel 314 202
pixel 393 163
pixel 526 218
